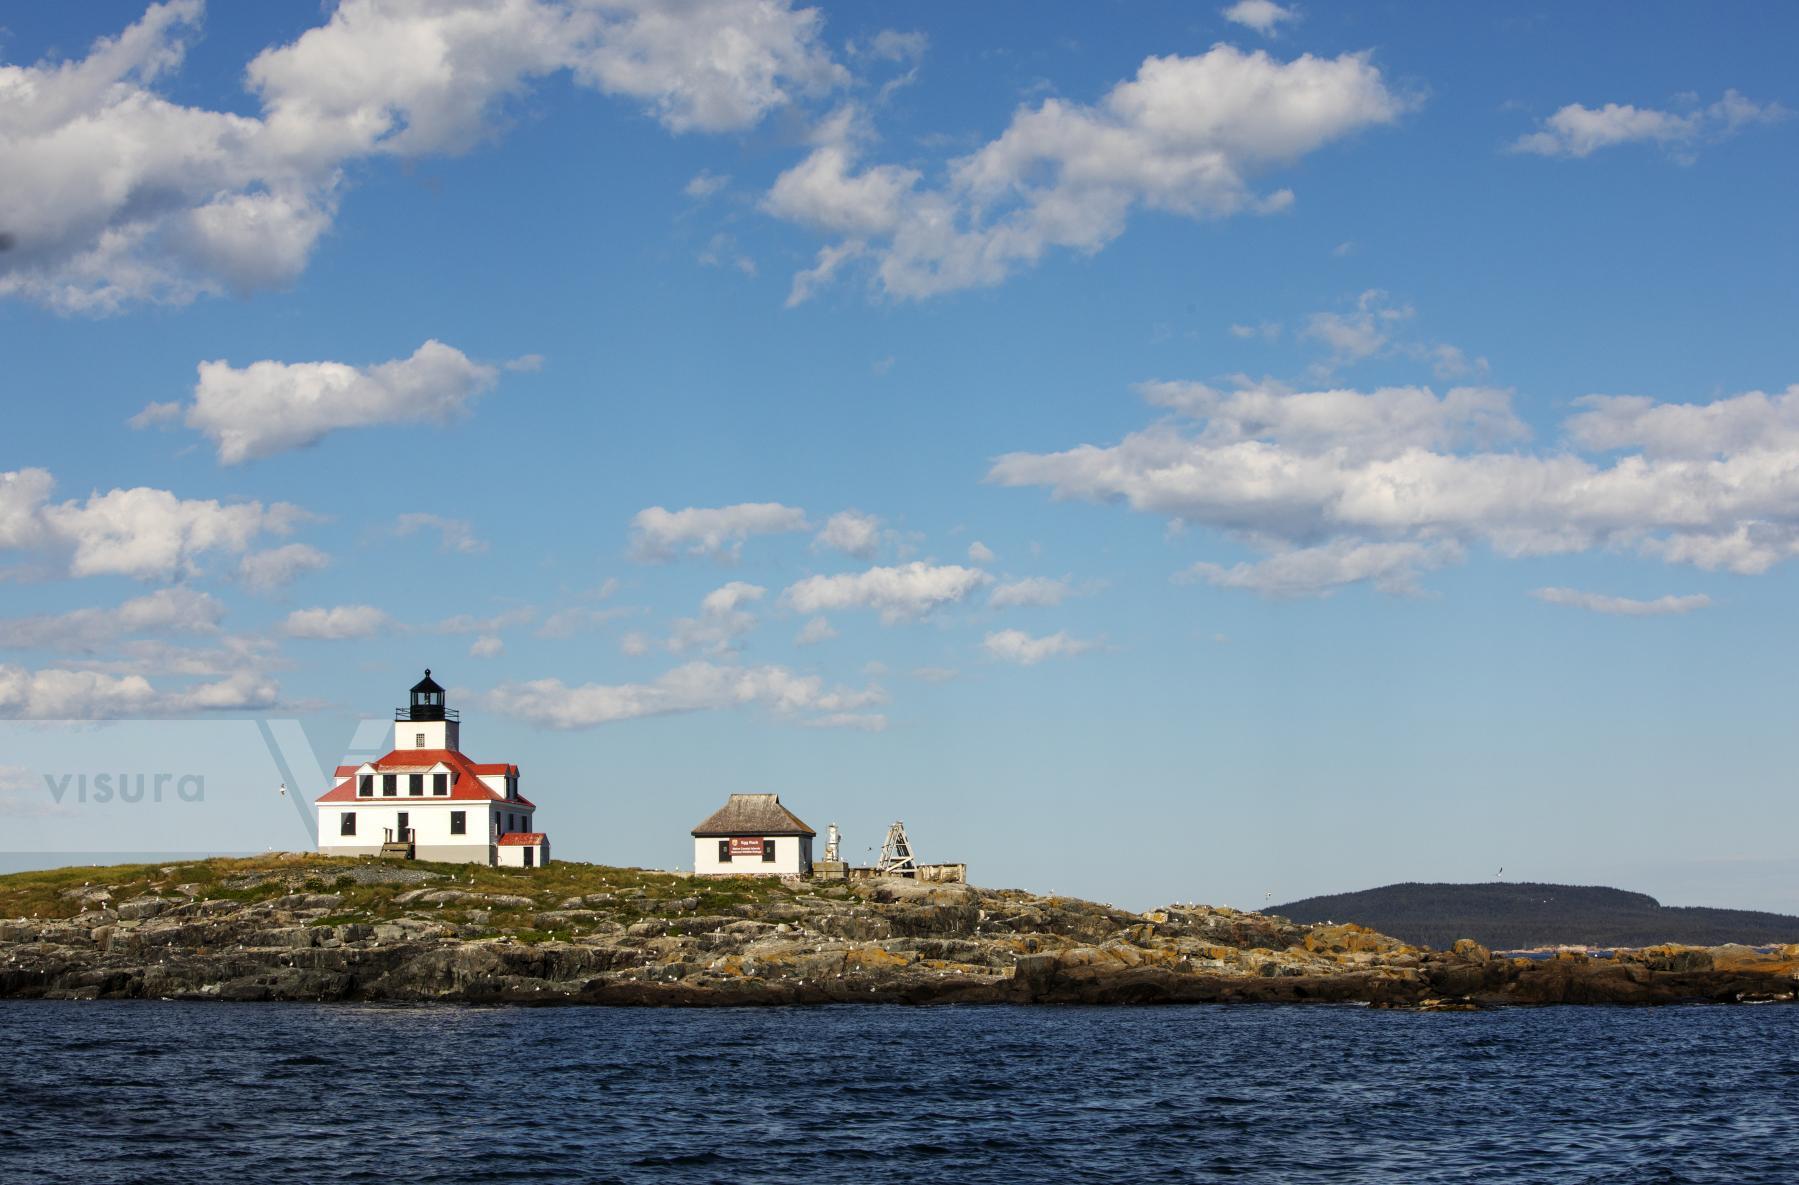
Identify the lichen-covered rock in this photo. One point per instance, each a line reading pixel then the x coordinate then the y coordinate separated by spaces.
pixel 303 928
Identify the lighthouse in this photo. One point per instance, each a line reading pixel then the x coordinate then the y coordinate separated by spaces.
pixel 426 800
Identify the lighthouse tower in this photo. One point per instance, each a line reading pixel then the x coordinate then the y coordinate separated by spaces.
pixel 425 800
pixel 426 723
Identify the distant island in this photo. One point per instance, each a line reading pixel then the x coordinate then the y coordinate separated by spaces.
pixel 1526 916
pixel 310 927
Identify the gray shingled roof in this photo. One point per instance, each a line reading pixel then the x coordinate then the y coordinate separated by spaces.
pixel 753 814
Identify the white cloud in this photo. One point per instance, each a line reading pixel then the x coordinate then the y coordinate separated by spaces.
pixel 1320 571
pixel 1693 431
pixel 114 193
pixel 659 534
pixel 693 687
pixel 57 694
pixel 336 624
pixel 1622 606
pixel 453 534
pixel 979 553
pixel 816 630
pixel 1016 646
pixel 722 620
pixel 705 183
pixel 1032 590
pixel 934 674
pixel 493 623
pixel 243 691
pixel 71 695
pixel 1579 131
pixel 634 645
pixel 566 623
pixel 1344 471
pixel 721 250
pixel 178 610
pixel 1186 136
pixel 1375 328
pixel 1361 333
pixel 224 655
pixel 1384 422
pixel 831 259
pixel 487 646
pixel 266 571
pixel 271 407
pixel 708 65
pixel 829 192
pixel 860 721
pixel 141 532
pixel 898 593
pixel 1264 16
pixel 892 45
pixel 851 532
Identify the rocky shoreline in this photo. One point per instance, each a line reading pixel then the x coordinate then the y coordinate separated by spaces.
pixel 307 928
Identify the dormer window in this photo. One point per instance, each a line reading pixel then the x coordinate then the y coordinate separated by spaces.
pixel 440 783
pixel 365 786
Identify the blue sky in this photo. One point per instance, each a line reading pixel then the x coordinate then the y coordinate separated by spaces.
pixel 1159 451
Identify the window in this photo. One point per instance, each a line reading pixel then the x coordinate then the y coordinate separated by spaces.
pixel 530 857
pixel 440 783
pixel 458 822
pixel 390 785
pixel 365 786
pixel 346 823
pixel 768 851
pixel 724 851
pixel 419 741
pixel 415 784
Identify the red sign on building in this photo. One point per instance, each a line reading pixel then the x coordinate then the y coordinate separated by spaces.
pixel 746 847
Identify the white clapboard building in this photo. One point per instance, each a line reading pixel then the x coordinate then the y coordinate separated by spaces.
pixel 426 800
pixel 752 835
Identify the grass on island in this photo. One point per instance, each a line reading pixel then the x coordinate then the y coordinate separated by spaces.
pixel 610 896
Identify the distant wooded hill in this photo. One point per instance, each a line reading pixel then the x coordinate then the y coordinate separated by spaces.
pixel 1504 916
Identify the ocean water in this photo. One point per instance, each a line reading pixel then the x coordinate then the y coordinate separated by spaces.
pixel 193 1093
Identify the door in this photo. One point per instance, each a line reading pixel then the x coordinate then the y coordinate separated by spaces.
pixel 400 831
pixel 530 857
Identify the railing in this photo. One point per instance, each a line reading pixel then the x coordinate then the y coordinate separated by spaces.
pixel 407 835
pixel 448 714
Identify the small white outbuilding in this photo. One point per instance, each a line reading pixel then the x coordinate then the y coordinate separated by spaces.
pixel 753 835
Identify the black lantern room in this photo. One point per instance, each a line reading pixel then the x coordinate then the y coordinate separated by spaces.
pixel 427 699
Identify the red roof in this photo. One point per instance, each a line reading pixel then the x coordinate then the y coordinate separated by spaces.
pixel 522 838
pixel 465 782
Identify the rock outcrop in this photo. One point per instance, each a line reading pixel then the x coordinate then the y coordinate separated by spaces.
pixel 306 928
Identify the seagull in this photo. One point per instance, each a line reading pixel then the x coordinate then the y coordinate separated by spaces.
pixel 284 789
